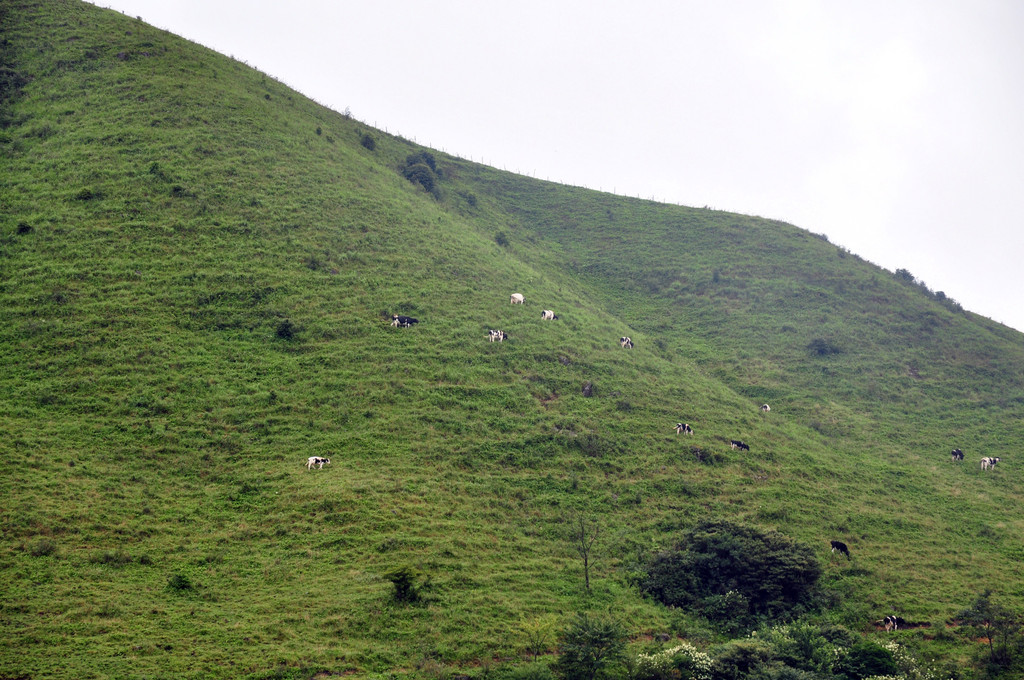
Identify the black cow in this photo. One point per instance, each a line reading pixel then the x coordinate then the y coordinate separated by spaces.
pixel 840 547
pixel 893 622
pixel 957 455
pixel 403 321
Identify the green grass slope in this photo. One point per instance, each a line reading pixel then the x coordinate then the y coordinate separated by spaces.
pixel 197 268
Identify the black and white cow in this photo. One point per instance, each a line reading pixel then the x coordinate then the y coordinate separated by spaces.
pixel 840 547
pixel 957 455
pixel 683 428
pixel 516 299
pixel 403 321
pixel 765 408
pixel 893 622
pixel 626 342
pixel 548 315
pixel 318 461
pixel 497 336
pixel 988 463
pixel 737 444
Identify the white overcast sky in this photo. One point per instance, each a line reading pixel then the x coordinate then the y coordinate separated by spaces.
pixel 895 127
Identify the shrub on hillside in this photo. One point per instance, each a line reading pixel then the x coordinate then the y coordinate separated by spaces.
pixel 179 583
pixel 823 347
pixel 42 548
pixel 420 173
pixel 368 141
pixel 409 584
pixel 590 648
pixel 734 574
pixel 741 659
pixel 424 157
pixel 286 330
pixel 866 659
pixel 421 168
pixel 680 661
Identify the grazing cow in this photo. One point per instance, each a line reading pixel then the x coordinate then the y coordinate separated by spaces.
pixel 988 463
pixel 840 547
pixel 318 461
pixel 737 444
pixel 765 408
pixel 957 455
pixel 626 342
pixel 403 321
pixel 548 315
pixel 893 622
pixel 497 336
pixel 683 428
pixel 517 299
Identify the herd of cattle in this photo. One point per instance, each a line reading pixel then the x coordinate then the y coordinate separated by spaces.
pixel 493 335
pixel 626 342
pixel 890 622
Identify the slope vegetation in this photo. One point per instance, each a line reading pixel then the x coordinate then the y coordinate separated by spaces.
pixel 197 271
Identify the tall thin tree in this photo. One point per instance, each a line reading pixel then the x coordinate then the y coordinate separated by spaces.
pixel 584 535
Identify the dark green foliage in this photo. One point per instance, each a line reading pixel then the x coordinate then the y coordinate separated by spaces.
pixel 409 584
pixel 590 648
pixel 501 239
pixel 866 659
pixel 733 573
pixel 368 141
pixel 24 228
pixel 1000 628
pixel 823 347
pixel 420 173
pixel 114 558
pixel 421 168
pixel 424 157
pixel 286 330
pixel 904 275
pixel 740 659
pixel 179 583
pixel 43 547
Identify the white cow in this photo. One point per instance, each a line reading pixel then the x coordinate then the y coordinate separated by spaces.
pixel 765 408
pixel 318 461
pixel 988 463
pixel 548 315
pixel 626 342
pixel 517 299
pixel 497 336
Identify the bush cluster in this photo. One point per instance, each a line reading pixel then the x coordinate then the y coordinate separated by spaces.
pixel 734 575
pixel 421 168
pixel 409 584
pixel 595 647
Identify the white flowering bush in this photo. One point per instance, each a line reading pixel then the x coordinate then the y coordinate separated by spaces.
pixel 910 667
pixel 682 661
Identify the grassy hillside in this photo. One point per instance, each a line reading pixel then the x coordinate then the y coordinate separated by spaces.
pixel 197 272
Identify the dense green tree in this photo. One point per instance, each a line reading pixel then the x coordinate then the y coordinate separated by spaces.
pixel 733 573
pixel 590 648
